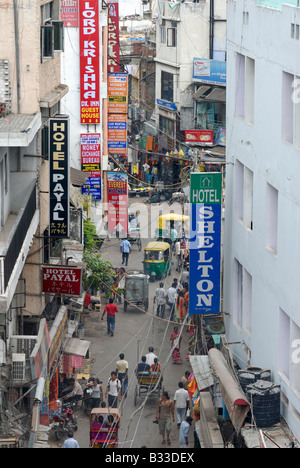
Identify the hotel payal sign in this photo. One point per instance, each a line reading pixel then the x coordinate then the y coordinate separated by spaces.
pixel 205 243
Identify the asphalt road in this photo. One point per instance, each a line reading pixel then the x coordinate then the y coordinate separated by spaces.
pixel 135 331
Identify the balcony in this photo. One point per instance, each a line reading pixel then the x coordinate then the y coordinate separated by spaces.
pixel 15 240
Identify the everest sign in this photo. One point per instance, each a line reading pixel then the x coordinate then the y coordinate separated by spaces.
pixel 205 243
pixel 89 62
pixel 62 280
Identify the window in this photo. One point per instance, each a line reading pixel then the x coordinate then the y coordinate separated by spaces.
pixel 163 32
pixel 240 85
pixel 248 198
pixel 239 190
pixel 284 345
pixel 271 218
pixel 171 37
pixel 287 120
pixel 238 294
pixel 167 86
pixel 52 32
pixel 167 127
pixel 249 90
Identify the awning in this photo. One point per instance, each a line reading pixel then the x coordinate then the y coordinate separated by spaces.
pixel 235 400
pixel 202 371
pixel 51 98
pixel 201 91
pixel 210 93
pixel 78 178
pixel 76 347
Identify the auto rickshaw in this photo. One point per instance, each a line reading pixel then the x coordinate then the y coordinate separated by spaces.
pixel 104 427
pixel 157 260
pixel 136 289
pixel 172 220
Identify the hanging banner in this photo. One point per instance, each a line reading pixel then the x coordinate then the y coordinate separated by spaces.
pixel 205 243
pixel 117 197
pixel 113 64
pixel 89 62
pixel 117 133
pixel 117 90
pixel 59 177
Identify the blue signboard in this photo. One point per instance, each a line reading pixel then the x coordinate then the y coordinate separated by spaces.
pixel 205 243
pixel 92 187
pixel 166 104
pixel 209 71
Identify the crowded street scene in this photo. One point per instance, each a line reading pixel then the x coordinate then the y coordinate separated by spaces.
pixel 149 211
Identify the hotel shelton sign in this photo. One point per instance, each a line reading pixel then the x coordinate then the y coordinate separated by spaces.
pixel 205 243
pixel 59 177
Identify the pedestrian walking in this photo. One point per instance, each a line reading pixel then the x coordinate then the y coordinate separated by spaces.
pixel 97 392
pixel 70 442
pixel 113 390
pixel 125 248
pixel 111 309
pixel 184 432
pixel 171 293
pixel 122 373
pixel 181 402
pixel 164 416
pixel 176 342
pixel 160 299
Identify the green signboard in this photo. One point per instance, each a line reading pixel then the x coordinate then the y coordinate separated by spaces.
pixel 206 188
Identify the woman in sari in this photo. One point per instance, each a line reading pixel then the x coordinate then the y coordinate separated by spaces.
pixel 176 342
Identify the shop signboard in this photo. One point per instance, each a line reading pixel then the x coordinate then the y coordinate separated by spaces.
pixel 113 63
pixel 117 90
pixel 91 162
pixel 117 133
pixel 200 137
pixel 205 243
pixel 89 52
pixel 209 71
pixel 62 280
pixel 59 177
pixel 69 13
pixel 117 195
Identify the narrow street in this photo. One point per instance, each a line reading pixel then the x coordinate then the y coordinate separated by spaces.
pixel 135 331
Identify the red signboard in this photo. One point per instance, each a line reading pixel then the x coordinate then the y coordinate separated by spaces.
pixel 113 36
pixel 90 152
pixel 117 193
pixel 69 13
pixel 89 61
pixel 203 137
pixel 62 280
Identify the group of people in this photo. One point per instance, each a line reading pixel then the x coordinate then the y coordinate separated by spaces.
pixel 166 410
pixel 176 297
pixel 149 363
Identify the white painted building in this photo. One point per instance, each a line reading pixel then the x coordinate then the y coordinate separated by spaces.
pixel 262 219
pixel 185 31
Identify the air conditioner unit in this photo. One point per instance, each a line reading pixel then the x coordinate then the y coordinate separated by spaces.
pixel 18 367
pixel 22 344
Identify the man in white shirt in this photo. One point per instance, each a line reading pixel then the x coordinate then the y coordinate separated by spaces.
pixel 184 432
pixel 171 295
pixel 160 298
pixel 113 390
pixel 150 357
pixel 181 402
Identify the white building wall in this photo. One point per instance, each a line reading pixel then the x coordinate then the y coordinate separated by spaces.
pixel 263 35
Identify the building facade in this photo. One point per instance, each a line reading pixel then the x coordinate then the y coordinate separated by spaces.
pixel 261 249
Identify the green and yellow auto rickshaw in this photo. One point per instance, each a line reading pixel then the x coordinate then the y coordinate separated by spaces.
pixel 169 221
pixel 157 260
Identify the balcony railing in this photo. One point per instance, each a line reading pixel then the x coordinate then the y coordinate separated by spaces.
pixel 8 259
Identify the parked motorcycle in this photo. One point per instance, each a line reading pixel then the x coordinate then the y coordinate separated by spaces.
pixel 65 421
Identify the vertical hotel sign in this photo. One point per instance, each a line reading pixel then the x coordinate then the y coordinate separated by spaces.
pixel 89 62
pixel 205 243
pixel 113 36
pixel 59 177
